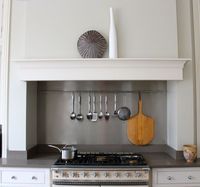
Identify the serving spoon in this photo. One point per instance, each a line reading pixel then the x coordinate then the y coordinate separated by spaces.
pixel 79 116
pixel 107 114
pixel 89 114
pixel 115 105
pixel 73 114
pixel 100 116
pixel 94 113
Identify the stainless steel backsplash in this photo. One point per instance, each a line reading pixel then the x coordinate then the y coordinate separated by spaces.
pixel 55 106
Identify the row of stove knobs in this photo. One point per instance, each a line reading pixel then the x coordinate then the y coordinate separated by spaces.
pixel 96 174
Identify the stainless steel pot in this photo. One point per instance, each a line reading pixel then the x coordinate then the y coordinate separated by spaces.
pixel 67 152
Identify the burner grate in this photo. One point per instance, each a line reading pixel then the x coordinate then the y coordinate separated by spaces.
pixel 101 159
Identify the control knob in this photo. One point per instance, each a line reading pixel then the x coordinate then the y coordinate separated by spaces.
pixel 56 171
pixel 85 174
pixel 117 175
pixel 65 174
pixel 95 174
pixel 106 174
pixel 138 175
pixel 128 174
pixel 74 174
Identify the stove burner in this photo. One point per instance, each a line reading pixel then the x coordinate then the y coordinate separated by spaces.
pixel 102 159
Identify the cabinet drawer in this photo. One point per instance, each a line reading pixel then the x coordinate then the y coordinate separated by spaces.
pixel 23 177
pixel 178 177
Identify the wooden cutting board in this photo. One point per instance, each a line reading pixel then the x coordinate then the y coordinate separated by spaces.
pixel 140 129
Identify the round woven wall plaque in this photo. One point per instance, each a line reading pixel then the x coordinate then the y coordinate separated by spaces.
pixel 91 44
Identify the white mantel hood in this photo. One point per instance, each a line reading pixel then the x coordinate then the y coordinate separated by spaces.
pixel 99 69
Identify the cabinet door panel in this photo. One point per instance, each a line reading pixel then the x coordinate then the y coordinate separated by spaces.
pixel 22 177
pixel 176 177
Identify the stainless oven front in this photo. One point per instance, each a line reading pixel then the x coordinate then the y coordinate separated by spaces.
pixel 100 177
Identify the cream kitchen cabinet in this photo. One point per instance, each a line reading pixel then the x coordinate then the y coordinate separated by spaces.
pixel 176 177
pixel 23 177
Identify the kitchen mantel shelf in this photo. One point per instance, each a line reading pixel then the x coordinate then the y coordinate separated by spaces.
pixel 100 69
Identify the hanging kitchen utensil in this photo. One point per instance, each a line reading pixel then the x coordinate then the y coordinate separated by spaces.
pixel 73 114
pixel 79 116
pixel 115 105
pixel 124 113
pixel 100 116
pixel 107 114
pixel 89 114
pixel 140 129
pixel 94 113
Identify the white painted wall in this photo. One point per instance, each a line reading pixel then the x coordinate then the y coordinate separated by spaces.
pixel 31 115
pixel 5 75
pixel 145 28
pixel 196 8
pixel 1 22
pixel 50 29
pixel 172 109
pixel 186 92
pixel 18 29
pixel 17 112
pixel 17 89
pixel 181 107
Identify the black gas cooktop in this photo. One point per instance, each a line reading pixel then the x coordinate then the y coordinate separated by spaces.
pixel 103 159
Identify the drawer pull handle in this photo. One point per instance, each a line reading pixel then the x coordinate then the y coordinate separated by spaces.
pixel 34 178
pixel 190 177
pixel 169 178
pixel 14 178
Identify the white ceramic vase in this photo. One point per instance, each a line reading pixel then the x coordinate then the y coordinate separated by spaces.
pixel 113 52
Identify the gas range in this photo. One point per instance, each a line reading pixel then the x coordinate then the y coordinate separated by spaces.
pixel 102 169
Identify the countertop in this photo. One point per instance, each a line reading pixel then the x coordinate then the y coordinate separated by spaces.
pixel 155 160
pixel 41 161
pixel 163 160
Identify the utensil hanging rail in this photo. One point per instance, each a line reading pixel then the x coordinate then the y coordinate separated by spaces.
pixel 105 91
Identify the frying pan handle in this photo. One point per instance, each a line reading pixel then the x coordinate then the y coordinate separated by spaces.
pixel 55 147
pixel 140 103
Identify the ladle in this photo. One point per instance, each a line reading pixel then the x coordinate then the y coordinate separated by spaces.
pixel 89 114
pixel 107 115
pixel 73 114
pixel 94 113
pixel 115 105
pixel 79 115
pixel 100 116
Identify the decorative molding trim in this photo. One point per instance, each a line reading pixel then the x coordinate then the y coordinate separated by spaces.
pixel 100 69
pixel 5 74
